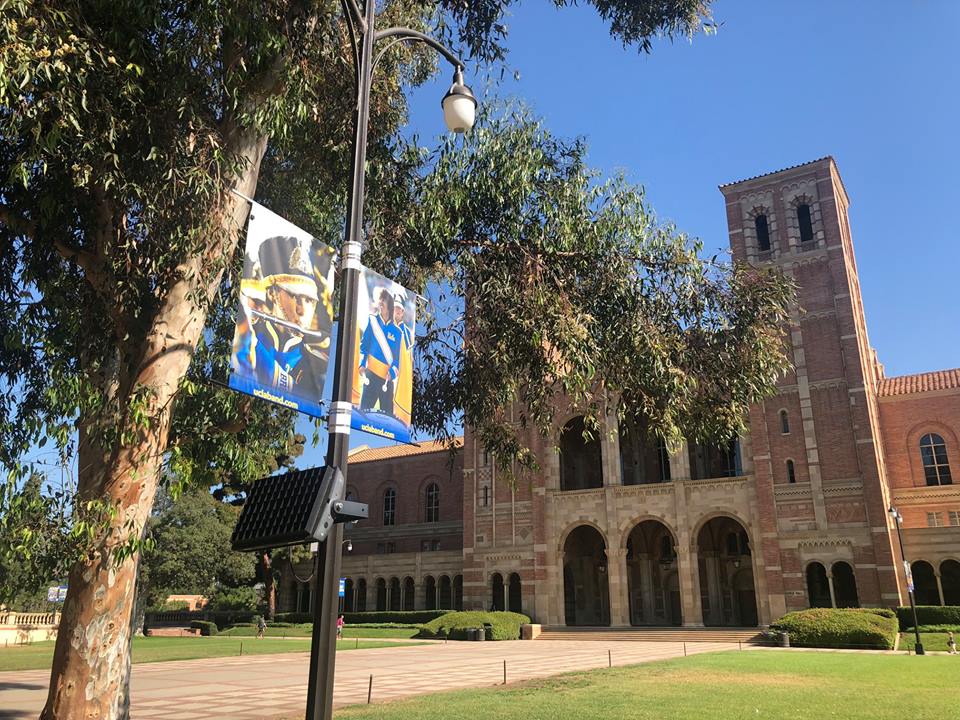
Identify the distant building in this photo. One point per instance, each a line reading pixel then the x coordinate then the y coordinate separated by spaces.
pixel 620 532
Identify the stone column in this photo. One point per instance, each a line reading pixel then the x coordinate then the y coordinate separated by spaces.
pixel 688 574
pixel 646 587
pixel 833 598
pixel 713 586
pixel 936 574
pixel 617 587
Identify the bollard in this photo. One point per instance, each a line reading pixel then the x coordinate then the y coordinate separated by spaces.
pixel 241 648
pixel 684 649
pixel 609 658
pixel 504 672
pixel 370 690
pixel 357 646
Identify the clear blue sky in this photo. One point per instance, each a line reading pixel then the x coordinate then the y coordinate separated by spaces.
pixel 875 85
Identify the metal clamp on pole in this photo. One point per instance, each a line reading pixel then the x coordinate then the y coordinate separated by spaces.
pixel 350 256
pixel 338 420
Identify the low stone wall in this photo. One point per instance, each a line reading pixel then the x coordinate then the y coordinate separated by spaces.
pixel 23 628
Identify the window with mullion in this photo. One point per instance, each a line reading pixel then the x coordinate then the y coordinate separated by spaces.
pixel 933 455
pixel 390 507
pixel 433 503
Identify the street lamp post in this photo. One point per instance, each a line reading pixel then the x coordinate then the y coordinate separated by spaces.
pixel 459 106
pixel 897 518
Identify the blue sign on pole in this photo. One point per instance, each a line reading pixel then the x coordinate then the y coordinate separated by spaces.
pixel 343 587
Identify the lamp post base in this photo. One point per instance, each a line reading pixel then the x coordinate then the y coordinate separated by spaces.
pixel 918 649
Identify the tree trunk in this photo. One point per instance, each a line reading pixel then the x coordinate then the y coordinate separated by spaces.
pixel 269 586
pixel 91 664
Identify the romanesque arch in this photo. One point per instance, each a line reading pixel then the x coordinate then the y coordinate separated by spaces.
pixel 727 590
pixel 925 583
pixel 950 581
pixel 844 585
pixel 580 463
pixel 586 593
pixel 651 566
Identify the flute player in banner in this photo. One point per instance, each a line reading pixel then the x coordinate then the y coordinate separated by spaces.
pixel 380 349
pixel 290 315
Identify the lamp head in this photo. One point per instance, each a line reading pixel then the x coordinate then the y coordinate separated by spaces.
pixel 349 545
pixel 459 105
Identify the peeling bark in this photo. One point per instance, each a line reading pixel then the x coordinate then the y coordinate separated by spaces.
pixel 91 664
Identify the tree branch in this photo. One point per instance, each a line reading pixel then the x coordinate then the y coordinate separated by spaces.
pixel 18 223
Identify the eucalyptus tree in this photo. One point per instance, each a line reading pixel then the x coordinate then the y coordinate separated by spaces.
pixel 125 125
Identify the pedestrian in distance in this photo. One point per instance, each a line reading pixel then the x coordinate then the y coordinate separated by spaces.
pixel 340 628
pixel 261 626
pixel 951 644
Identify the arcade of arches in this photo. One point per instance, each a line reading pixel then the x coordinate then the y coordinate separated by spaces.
pixel 435 593
pixel 652 571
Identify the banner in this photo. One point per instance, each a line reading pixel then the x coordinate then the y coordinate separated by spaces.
pixel 281 347
pixel 383 363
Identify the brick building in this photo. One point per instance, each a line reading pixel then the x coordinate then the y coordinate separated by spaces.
pixel 619 531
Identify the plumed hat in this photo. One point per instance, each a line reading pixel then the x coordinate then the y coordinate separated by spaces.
pixel 286 263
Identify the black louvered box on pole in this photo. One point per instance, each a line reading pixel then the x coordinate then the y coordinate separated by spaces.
pixel 293 509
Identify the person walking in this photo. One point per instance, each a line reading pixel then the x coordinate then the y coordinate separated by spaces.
pixel 951 644
pixel 340 628
pixel 261 626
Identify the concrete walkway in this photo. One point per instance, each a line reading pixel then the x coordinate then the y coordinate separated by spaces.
pixel 271 686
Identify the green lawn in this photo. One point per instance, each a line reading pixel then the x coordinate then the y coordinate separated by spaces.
pixel 161 649
pixel 777 685
pixel 931 641
pixel 348 632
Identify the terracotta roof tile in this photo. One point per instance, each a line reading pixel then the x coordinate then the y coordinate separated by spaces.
pixel 774 172
pixel 923 382
pixel 368 454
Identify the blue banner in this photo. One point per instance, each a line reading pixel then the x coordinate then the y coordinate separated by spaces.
pixel 383 363
pixel 281 346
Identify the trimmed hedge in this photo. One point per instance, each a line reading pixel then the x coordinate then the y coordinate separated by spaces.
pixel 231 617
pixel 404 617
pixel 454 625
pixel 955 629
pixel 205 627
pixel 293 617
pixel 839 628
pixel 929 615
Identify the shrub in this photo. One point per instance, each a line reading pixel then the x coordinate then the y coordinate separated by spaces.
pixel 454 625
pixel 838 628
pixel 205 627
pixel 938 629
pixel 882 612
pixel 293 617
pixel 387 626
pixel 174 606
pixel 226 618
pixel 403 617
pixel 930 615
pixel 241 599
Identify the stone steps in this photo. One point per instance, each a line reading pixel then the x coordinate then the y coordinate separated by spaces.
pixel 653 634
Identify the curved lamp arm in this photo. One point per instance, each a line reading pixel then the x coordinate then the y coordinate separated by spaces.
pixel 409 35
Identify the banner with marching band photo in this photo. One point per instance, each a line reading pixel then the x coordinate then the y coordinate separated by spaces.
pixel 281 346
pixel 383 362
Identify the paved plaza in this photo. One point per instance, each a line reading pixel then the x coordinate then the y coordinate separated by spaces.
pixel 272 686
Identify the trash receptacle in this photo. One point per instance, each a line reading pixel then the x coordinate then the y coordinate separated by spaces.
pixel 785 639
pixel 481 635
pixel 471 634
pixel 487 631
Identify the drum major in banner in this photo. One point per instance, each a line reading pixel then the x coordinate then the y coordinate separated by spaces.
pixel 383 362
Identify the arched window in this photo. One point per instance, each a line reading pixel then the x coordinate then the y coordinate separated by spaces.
pixel 806 225
pixel 381 595
pixel 784 422
pixel 579 458
pixel 361 603
pixel 496 592
pixel 409 594
pixel 433 503
pixel 393 602
pixel 844 585
pixel 390 507
pixel 429 593
pixel 818 587
pixel 933 453
pixel 791 472
pixel 643 459
pixel 348 594
pixel 763 233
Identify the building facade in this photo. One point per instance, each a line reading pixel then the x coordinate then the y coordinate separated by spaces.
pixel 619 531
